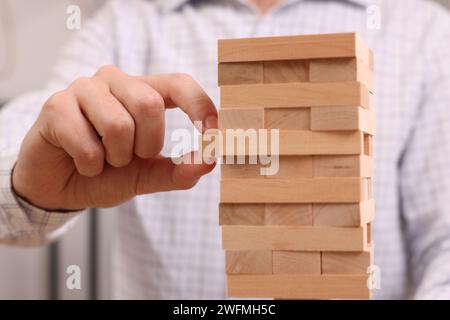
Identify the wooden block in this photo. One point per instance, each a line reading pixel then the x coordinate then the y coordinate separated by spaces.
pixel 338 70
pixel 241 119
pixel 347 262
pixel 366 189
pixel 291 119
pixel 290 286
pixel 294 167
pixel 285 71
pixel 321 190
pixel 241 171
pixel 296 262
pixel 241 214
pixel 363 52
pixel 343 215
pixel 295 95
pixel 342 45
pixel 296 238
pixel 240 73
pixel 297 142
pixel 288 214
pixel 342 118
pixel 342 166
pixel 249 262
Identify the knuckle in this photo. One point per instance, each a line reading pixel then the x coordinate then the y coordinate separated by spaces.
pixel 184 77
pixel 83 82
pixel 91 154
pixel 120 126
pixel 107 70
pixel 56 101
pixel 151 105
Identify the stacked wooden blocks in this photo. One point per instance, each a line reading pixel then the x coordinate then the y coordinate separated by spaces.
pixel 305 232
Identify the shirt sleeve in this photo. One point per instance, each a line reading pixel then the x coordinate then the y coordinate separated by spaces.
pixel 91 47
pixel 425 171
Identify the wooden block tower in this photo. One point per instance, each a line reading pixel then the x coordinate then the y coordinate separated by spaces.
pixel 305 232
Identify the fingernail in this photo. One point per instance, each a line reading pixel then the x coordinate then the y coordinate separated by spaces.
pixel 211 122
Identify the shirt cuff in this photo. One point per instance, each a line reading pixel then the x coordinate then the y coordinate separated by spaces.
pixel 18 218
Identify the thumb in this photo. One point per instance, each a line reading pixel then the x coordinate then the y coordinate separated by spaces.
pixel 167 174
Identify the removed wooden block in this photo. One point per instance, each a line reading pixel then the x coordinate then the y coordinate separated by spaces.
pixel 342 45
pixel 368 145
pixel 343 215
pixel 293 167
pixel 241 119
pixel 296 262
pixel 288 214
pixel 295 95
pixel 342 166
pixel 289 118
pixel 294 238
pixel 342 118
pixel 338 70
pixel 347 262
pixel 249 262
pixel 241 214
pixel 240 73
pixel 369 233
pixel 285 71
pixel 289 286
pixel 320 190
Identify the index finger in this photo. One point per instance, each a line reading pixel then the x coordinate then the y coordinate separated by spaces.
pixel 181 90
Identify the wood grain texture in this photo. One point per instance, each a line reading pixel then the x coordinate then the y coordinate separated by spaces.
pixel 347 262
pixel 289 286
pixel 342 166
pixel 298 142
pixel 296 262
pixel 344 215
pixel 241 119
pixel 338 70
pixel 289 118
pixel 285 71
pixel 240 73
pixel 320 190
pixel 294 238
pixel 342 118
pixel 340 45
pixel 294 95
pixel 293 166
pixel 241 214
pixel 241 171
pixel 287 214
pixel 249 262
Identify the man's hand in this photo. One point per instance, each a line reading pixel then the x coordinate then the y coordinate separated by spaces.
pixel 98 143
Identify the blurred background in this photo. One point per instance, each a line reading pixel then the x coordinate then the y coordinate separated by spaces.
pixel 32 31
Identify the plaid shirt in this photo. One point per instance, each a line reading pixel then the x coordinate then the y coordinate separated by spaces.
pixel 167 245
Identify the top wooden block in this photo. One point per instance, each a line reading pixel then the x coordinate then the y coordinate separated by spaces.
pixel 324 46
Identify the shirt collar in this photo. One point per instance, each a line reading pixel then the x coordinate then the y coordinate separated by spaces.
pixel 170 5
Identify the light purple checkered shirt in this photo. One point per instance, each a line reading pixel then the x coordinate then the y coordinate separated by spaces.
pixel 168 244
